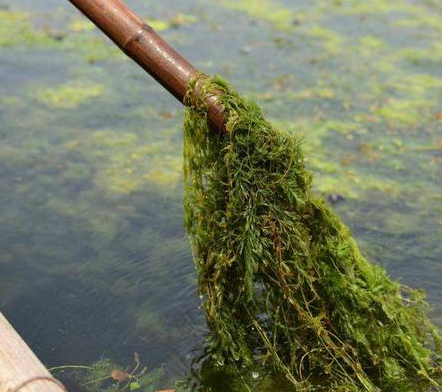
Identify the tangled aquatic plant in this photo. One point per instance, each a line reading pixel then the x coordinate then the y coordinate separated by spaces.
pixel 106 376
pixel 283 281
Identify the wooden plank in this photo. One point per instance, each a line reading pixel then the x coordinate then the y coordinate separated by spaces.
pixel 20 369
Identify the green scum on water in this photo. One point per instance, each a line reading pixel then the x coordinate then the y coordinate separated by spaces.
pixel 284 284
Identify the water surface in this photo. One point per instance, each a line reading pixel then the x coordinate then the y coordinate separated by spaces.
pixel 94 258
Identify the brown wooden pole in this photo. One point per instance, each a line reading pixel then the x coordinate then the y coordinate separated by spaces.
pixel 141 43
pixel 20 369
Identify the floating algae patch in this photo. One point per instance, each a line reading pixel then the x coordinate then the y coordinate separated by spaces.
pixel 80 38
pixel 127 164
pixel 276 15
pixel 16 28
pixel 283 282
pixel 404 112
pixel 421 93
pixel 376 7
pixel 69 95
pixel 332 41
pixel 282 16
pixel 430 55
pixel 81 24
pixel 172 23
pixel 419 85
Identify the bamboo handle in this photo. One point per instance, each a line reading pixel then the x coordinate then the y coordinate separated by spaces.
pixel 20 369
pixel 142 44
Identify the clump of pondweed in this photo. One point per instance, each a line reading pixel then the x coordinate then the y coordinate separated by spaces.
pixel 283 281
pixel 105 376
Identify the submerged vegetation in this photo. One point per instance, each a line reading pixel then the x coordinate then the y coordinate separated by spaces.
pixel 106 376
pixel 283 282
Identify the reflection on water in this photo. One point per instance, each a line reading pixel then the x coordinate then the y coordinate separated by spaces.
pixel 94 258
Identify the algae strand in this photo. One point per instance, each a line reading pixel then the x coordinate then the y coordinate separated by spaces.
pixel 283 282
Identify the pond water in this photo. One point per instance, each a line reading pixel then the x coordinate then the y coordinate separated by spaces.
pixel 94 258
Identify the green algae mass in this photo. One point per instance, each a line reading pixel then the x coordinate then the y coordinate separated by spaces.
pixel 284 283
